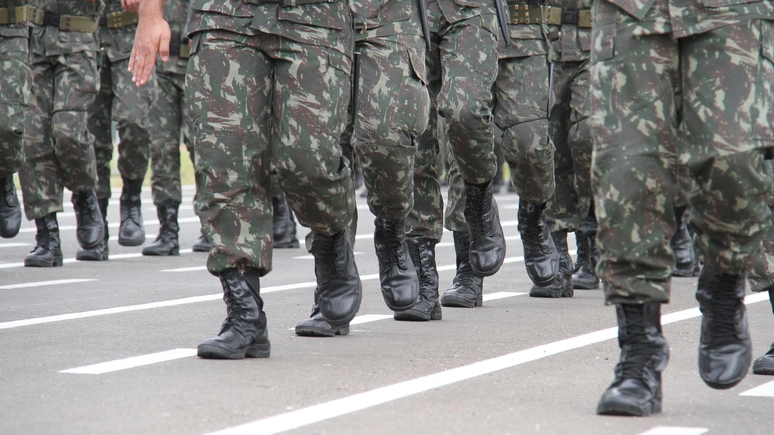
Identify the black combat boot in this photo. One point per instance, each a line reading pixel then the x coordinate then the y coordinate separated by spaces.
pixel 636 390
pixel 467 289
pixel 202 244
pixel 765 364
pixel 284 224
pixel 316 326
pixel 47 252
pixel 398 277
pixel 428 307
pixel 90 230
pixel 102 251
pixel 585 277
pixel 131 232
pixel 487 243
pixel 562 286
pixel 338 281
pixel 166 242
pixel 725 348
pixel 10 209
pixel 243 334
pixel 682 245
pixel 540 254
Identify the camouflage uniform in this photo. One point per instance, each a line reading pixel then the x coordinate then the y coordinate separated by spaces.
pixel 392 102
pixel 639 137
pixel 520 111
pixel 121 101
pixel 168 115
pixel 14 95
pixel 57 144
pixel 461 69
pixel 268 89
pixel 571 47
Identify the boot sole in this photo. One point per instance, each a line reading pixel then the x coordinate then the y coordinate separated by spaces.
pixel 89 257
pixel 417 316
pixel 319 332
pixel 200 249
pixel 214 352
pixel 543 292
pixel 460 303
pixel 628 411
pixel 171 253
pixel 58 262
pixel 581 286
pixel 124 242
pixel 763 370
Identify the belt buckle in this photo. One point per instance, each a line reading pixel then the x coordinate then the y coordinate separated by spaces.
pixel 570 17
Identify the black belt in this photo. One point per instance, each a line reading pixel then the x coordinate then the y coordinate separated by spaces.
pixel 72 23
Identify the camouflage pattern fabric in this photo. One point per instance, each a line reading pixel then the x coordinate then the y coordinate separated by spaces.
pixel 571 135
pixel 169 116
pixel 14 95
pixel 520 111
pixel 58 147
pixel 761 276
pixel 461 69
pixel 639 135
pixel 263 99
pixel 393 104
pixel 120 100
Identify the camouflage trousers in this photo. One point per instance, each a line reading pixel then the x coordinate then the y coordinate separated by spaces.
pixel 520 111
pixel 570 132
pixel 168 117
pixel 58 147
pixel 120 100
pixel 639 136
pixel 462 67
pixel 14 99
pixel 761 276
pixel 392 110
pixel 260 104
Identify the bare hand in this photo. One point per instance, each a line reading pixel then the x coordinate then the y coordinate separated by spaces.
pixel 151 38
pixel 131 5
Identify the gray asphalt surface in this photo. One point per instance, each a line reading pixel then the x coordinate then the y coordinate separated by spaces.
pixel 380 379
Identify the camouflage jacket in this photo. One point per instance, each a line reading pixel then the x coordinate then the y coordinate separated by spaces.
pixel 528 39
pixel 325 24
pixel 457 10
pixel 689 17
pixel 116 42
pixel 50 41
pixel 176 14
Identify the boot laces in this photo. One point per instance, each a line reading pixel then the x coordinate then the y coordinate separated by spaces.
pixel 638 349
pixel 725 305
pixel 391 244
pixel 325 254
pixel 481 216
pixel 533 229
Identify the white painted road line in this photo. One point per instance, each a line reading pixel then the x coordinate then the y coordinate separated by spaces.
pixel 675 430
pixel 765 390
pixel 346 405
pixel 128 363
pixel 13 245
pixel 501 295
pixel 112 257
pixel 43 283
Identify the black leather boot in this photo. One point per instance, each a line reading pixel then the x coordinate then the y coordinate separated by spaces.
pixel 428 307
pixel 338 281
pixel 243 333
pixel 10 209
pixel 316 326
pixel 166 243
pixel 682 245
pixel 725 348
pixel 202 244
pixel 284 224
pixel 90 230
pixel 467 289
pixel 398 277
pixel 102 251
pixel 562 286
pixel 765 364
pixel 487 243
pixel 541 257
pixel 584 278
pixel 131 232
pixel 636 390
pixel 47 252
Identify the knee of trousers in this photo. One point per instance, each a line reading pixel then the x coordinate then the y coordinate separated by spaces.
pixel 71 127
pixel 530 155
pixel 581 144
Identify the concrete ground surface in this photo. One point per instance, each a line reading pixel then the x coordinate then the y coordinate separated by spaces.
pixel 109 348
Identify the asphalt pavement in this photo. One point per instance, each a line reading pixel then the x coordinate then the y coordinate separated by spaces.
pixel 110 348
